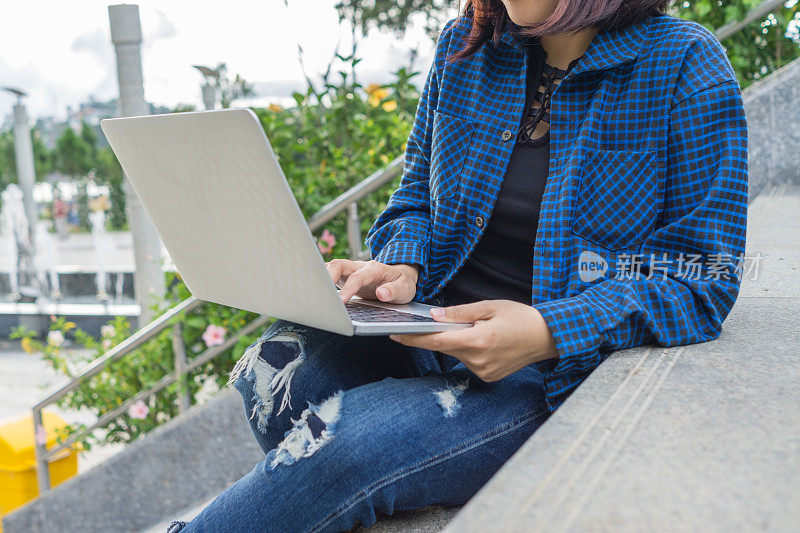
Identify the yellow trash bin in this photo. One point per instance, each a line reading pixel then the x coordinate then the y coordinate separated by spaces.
pixel 18 464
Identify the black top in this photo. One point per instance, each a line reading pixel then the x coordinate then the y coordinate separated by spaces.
pixel 500 266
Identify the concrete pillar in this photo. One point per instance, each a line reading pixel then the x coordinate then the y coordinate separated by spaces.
pixel 126 34
pixel 26 172
pixel 209 95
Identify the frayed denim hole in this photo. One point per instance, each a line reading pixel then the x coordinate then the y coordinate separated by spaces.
pixel 316 425
pixel 244 366
pixel 279 353
pixel 309 433
pixel 447 398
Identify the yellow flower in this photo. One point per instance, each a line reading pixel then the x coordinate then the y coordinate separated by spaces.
pixel 389 105
pixel 376 96
pixel 27 345
pixel 371 88
pixel 275 108
pixel 69 325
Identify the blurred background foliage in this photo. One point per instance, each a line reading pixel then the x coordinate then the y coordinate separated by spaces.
pixel 338 133
pixel 760 48
pixel 764 45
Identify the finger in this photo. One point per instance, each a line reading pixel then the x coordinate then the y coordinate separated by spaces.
pixel 335 269
pixel 341 268
pixel 370 273
pixel 446 341
pixel 398 291
pixel 464 313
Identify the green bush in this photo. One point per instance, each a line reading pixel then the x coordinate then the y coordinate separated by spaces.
pixel 338 135
pixel 138 370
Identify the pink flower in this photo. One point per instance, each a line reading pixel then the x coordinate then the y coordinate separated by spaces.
pixel 107 330
pixel 41 435
pixel 106 344
pixel 138 410
pixel 329 240
pixel 55 337
pixel 214 335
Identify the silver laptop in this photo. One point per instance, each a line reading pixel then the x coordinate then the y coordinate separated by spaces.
pixel 218 198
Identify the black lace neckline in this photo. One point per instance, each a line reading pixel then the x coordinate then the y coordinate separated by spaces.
pixel 542 81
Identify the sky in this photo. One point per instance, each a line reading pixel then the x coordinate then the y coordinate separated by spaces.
pixel 60 53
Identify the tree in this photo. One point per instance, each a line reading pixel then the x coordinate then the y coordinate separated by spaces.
pixel 89 135
pixel 8 165
pixel 757 50
pixel 397 15
pixel 231 89
pixel 42 156
pixel 183 108
pixel 109 170
pixel 73 155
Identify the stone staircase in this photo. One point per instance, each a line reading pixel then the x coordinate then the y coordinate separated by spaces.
pixel 705 436
pixel 188 460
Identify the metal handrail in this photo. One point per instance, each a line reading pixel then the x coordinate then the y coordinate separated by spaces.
pixel 148 332
pixel 92 369
pixel 365 187
pixel 346 201
pixel 349 200
pixel 765 7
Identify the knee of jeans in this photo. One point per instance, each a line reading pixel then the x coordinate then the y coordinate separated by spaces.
pixel 266 369
pixel 312 430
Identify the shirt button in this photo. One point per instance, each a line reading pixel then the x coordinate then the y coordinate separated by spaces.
pixel 479 221
pixel 506 135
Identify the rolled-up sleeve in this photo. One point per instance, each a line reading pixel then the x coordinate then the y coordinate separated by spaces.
pixel 690 265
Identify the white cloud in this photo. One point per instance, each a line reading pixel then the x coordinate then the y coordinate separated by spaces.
pixel 60 52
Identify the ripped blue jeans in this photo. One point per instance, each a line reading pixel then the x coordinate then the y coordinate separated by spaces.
pixel 355 427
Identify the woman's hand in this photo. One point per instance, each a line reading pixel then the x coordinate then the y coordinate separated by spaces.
pixel 506 337
pixel 395 284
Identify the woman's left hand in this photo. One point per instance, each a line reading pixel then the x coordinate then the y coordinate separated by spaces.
pixel 506 337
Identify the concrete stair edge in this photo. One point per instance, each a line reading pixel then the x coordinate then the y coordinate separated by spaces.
pixel 153 477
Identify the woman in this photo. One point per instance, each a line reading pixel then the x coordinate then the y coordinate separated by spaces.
pixel 602 208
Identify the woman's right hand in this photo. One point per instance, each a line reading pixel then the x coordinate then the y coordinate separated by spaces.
pixel 373 280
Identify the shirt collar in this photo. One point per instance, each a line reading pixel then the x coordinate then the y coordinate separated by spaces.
pixel 607 49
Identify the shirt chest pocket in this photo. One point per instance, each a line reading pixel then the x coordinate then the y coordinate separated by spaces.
pixel 450 142
pixel 617 200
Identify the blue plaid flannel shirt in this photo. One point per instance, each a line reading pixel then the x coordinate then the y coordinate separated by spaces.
pixel 648 167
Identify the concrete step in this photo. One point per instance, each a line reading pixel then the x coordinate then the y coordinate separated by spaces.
pixel 424 520
pixel 704 437
pixel 186 515
pixel 188 460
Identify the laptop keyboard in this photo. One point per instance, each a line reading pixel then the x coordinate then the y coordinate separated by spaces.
pixel 370 313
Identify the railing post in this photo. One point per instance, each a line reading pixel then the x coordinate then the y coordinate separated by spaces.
pixel 40 451
pixel 353 231
pixel 184 396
